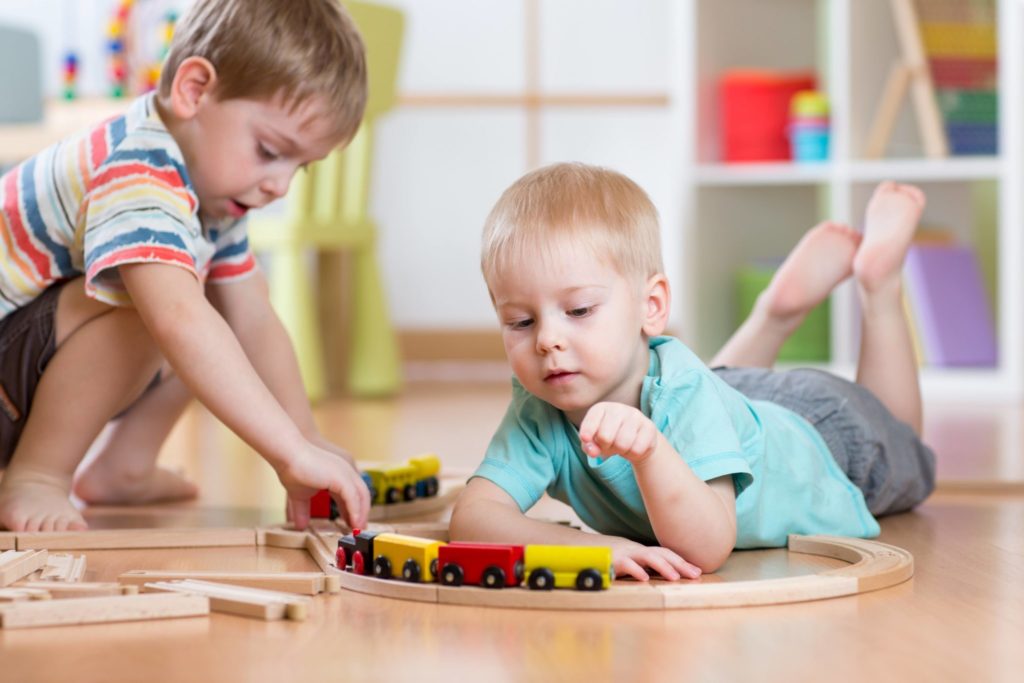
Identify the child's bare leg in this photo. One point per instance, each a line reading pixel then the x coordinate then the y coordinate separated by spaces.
pixel 887 365
pixel 124 472
pixel 821 260
pixel 104 359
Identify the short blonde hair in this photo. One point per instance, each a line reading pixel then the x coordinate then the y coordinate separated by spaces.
pixel 595 207
pixel 267 48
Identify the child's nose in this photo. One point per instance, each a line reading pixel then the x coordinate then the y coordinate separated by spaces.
pixel 276 185
pixel 549 337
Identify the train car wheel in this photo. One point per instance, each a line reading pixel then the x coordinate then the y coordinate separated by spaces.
pixel 432 487
pixel 409 492
pixel 452 575
pixel 588 580
pixel 518 571
pixel 493 577
pixel 359 563
pixel 433 568
pixel 411 571
pixel 382 567
pixel 340 559
pixel 541 579
pixel 393 495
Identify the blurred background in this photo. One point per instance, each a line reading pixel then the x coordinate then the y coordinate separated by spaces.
pixel 747 122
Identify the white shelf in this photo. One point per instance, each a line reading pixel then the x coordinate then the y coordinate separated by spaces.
pixel 735 214
pixel 767 173
pixel 920 170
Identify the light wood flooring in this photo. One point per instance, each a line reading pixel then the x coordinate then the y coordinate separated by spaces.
pixel 961 618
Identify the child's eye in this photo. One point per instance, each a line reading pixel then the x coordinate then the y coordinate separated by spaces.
pixel 581 312
pixel 266 153
pixel 520 324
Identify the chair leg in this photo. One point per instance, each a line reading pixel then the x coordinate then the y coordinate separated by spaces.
pixel 293 298
pixel 374 368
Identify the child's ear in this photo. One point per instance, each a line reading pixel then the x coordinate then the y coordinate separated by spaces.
pixel 195 80
pixel 657 301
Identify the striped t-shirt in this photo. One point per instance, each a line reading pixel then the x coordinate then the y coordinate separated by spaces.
pixel 113 195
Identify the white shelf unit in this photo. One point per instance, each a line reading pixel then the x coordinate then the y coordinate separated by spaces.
pixel 735 213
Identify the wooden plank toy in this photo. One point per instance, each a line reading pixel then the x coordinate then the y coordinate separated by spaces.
pixel 239 600
pixel 305 583
pixel 102 610
pixel 17 564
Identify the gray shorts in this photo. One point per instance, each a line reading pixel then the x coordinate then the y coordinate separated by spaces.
pixel 881 455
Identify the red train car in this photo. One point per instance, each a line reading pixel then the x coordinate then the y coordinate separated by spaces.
pixel 485 564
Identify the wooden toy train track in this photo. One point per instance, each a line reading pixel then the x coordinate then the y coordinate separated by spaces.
pixel 872 566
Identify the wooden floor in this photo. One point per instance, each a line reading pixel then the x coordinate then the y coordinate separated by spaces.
pixel 961 618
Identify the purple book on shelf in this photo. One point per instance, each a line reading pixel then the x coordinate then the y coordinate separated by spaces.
pixel 948 297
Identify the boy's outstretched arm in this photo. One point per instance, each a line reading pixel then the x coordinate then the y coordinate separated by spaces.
pixel 694 518
pixel 484 513
pixel 209 359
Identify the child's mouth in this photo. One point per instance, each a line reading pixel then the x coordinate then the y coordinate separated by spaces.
pixel 237 209
pixel 559 377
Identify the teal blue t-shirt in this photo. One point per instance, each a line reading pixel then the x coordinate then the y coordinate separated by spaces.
pixel 785 477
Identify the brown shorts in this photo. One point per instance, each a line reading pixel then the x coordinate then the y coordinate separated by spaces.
pixel 27 343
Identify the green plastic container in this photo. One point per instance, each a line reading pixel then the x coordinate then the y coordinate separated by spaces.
pixel 810 343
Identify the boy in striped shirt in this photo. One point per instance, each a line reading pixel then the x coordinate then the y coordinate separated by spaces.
pixel 127 283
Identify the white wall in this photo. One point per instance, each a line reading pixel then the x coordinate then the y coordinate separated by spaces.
pixel 439 169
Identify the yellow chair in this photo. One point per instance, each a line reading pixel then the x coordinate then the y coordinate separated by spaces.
pixel 328 210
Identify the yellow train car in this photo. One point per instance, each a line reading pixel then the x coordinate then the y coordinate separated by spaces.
pixel 392 483
pixel 587 568
pixel 413 559
pixel 412 479
pixel 427 467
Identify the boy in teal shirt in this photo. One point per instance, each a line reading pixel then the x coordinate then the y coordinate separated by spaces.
pixel 673 463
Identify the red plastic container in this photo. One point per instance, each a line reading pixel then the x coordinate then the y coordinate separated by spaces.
pixel 755 113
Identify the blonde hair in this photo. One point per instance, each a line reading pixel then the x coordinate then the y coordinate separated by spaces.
pixel 267 48
pixel 595 207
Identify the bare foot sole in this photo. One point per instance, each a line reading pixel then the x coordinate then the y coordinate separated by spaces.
pixel 31 503
pixel 889 225
pixel 159 485
pixel 821 260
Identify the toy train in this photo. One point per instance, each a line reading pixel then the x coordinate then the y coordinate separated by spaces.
pixel 389 484
pixel 541 567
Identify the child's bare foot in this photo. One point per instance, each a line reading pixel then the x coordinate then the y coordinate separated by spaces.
pixel 889 226
pixel 103 485
pixel 32 501
pixel 821 260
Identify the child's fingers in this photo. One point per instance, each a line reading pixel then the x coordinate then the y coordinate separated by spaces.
pixel 299 512
pixel 685 569
pixel 661 565
pixel 627 566
pixel 608 431
pixel 590 423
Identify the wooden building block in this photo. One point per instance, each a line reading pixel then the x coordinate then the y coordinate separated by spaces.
pixel 8 541
pixel 305 583
pixel 112 539
pixel 80 589
pixel 281 538
pixel 63 567
pixel 15 594
pixel 239 600
pixel 102 610
pixel 17 564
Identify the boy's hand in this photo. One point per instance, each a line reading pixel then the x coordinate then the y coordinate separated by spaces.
pixel 633 559
pixel 617 429
pixel 315 468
